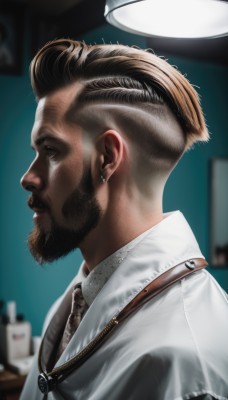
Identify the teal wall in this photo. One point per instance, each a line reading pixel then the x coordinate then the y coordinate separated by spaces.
pixel 34 288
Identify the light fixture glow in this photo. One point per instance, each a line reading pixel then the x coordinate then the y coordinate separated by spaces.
pixel 170 18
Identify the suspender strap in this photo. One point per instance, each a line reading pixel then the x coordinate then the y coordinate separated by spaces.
pixel 48 381
pixel 161 283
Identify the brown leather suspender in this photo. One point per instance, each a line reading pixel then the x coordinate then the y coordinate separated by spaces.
pixel 162 282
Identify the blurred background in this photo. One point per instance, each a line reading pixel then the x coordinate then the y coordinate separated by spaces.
pixel 198 187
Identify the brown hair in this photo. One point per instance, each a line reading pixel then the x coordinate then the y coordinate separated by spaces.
pixel 119 74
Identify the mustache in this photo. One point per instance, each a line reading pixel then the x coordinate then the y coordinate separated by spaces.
pixel 35 202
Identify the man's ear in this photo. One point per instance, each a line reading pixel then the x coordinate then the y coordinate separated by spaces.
pixel 110 151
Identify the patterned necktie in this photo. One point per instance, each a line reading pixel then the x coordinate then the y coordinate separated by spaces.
pixel 78 308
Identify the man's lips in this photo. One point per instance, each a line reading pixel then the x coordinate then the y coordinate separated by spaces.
pixel 37 205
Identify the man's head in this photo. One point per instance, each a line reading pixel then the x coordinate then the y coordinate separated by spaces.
pixel 144 96
pixel 129 116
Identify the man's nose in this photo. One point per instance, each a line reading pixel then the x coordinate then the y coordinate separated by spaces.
pixel 31 180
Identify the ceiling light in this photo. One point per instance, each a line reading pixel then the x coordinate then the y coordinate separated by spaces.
pixel 170 18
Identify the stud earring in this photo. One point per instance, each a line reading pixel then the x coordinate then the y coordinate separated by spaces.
pixel 103 180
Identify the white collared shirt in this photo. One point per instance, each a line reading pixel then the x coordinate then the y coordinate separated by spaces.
pixel 173 348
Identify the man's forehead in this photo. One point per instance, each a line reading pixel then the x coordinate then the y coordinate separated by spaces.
pixel 54 105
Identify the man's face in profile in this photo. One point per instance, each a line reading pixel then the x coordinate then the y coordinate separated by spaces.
pixel 60 182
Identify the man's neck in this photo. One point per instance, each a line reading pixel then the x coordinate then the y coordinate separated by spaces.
pixel 114 232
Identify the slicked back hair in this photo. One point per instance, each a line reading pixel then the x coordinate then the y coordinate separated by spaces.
pixel 119 74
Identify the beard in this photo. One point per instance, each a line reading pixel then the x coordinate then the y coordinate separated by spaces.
pixel 82 211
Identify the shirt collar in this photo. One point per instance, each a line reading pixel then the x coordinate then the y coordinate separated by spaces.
pixel 167 244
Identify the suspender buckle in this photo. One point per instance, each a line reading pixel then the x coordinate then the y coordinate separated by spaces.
pixel 46 383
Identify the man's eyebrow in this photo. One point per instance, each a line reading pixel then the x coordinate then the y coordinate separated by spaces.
pixel 47 136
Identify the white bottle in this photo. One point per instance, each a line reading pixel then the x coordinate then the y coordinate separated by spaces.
pixel 15 336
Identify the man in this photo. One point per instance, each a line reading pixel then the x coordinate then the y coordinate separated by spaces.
pixel 147 321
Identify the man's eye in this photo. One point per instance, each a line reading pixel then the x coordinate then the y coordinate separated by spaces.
pixel 50 151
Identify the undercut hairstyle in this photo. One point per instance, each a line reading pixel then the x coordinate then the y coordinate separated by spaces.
pixel 125 76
